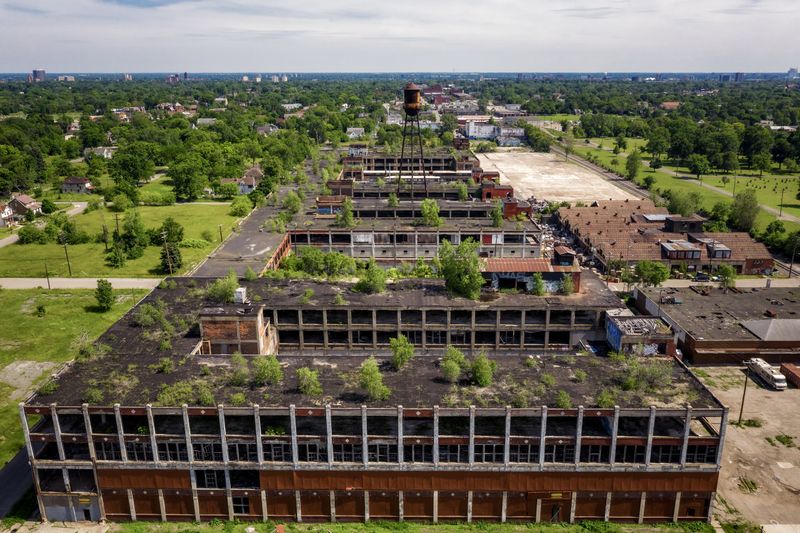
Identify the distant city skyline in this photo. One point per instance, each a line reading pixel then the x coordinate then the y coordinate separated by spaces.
pixel 276 36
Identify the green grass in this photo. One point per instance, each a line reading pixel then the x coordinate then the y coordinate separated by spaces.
pixel 411 527
pixel 666 181
pixel 88 260
pixel 160 185
pixel 24 336
pixel 558 117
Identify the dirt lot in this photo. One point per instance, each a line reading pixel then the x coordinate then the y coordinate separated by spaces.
pixel 549 177
pixel 762 454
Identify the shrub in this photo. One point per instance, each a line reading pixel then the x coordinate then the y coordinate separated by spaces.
pixel 194 243
pixel 339 300
pixel 49 387
pixel 238 399
pixel 605 399
pixel 373 280
pixel 93 395
pixel 371 380
pixel 241 206
pixel 149 314
pixel 461 268
pixel 30 234
pixel 402 351
pixel 41 310
pixel 580 376
pixel 207 235
pixel 238 375
pixel 567 286
pixel 308 382
pixel 191 392
pixel 222 290
pixel 482 370
pixel 250 274
pixel 450 370
pixel 563 400
pixel 267 370
pixel 164 366
pixel 307 295
pixel 429 209
pixel 538 285
pixel 548 380
pixel 121 203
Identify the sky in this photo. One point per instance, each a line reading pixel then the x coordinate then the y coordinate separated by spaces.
pixel 275 36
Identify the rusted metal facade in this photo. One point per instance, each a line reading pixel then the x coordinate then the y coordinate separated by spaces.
pixel 360 464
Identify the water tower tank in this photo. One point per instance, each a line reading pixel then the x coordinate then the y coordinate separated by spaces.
pixel 412 102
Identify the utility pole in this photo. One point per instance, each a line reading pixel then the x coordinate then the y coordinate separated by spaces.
pixel 47 275
pixel 167 251
pixel 66 254
pixel 794 251
pixel 780 211
pixel 105 237
pixel 220 233
pixel 744 392
pixel 116 217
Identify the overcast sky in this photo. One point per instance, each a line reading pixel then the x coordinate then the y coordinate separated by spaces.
pixel 387 36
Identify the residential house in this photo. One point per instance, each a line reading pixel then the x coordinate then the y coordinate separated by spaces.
pixel 21 204
pixel 6 215
pixel 106 152
pixel 355 133
pixel 77 185
pixel 250 180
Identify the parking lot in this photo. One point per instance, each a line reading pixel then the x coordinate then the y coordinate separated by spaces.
pixel 760 477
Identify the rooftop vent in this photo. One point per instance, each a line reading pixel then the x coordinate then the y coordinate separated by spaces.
pixel 240 295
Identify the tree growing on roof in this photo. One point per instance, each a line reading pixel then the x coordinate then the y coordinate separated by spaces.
pixel 371 380
pixel 461 268
pixel 402 351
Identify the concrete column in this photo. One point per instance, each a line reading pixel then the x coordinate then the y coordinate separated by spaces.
pixel 538 510
pixel 711 506
pixel 151 425
pixel 298 510
pixel 293 428
pixel 642 502
pixel 435 506
pixel 87 422
pixel 676 510
pixel 542 434
pixel 259 439
pixel 578 435
pixel 161 506
pixel 650 426
pixel 400 506
pixel 572 503
pixel 507 438
pixel 612 455
pixel 222 436
pixel 57 432
pixel 436 437
pixel 687 426
pixel 131 504
pixel 366 506
pixel 424 322
pixel 364 437
pixel 399 435
pixel 264 513
pixel 607 513
pixel 723 427
pixel 195 501
pixel 469 506
pixel 228 495
pixel 375 327
pixel 504 508
pixel 471 455
pixel 32 460
pixel 333 505
pixel 329 434
pixel 324 329
pixel 472 330
pixel 70 502
pixel 187 433
pixel 522 328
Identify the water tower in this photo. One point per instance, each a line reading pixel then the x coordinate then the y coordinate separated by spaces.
pixel 412 132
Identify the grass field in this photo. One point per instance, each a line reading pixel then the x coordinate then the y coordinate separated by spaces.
pixel 687 184
pixel 411 527
pixel 34 346
pixel 88 260
pixel 159 185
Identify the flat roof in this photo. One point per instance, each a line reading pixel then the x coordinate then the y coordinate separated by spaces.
pixel 710 313
pixel 448 224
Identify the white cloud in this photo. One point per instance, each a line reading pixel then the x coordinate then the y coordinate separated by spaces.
pixel 401 35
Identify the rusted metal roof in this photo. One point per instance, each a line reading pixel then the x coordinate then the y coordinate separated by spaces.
pixel 525 265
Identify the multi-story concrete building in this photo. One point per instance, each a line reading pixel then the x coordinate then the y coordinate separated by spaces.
pixel 146 431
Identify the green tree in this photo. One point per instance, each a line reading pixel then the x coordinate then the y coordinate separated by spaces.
pixel 744 210
pixel 267 370
pixel 116 256
pixel 308 381
pixel 497 214
pixel 171 258
pixel 170 231
pixel 189 176
pixel 132 165
pixel 134 236
pixel 373 279
pixel 371 380
pixel 567 285
pixel 482 370
pixel 345 217
pixel 762 162
pixel 632 165
pixel 222 290
pixel 393 201
pixel 429 209
pixel 652 273
pixel 463 191
pixel 461 268
pixel 698 165
pixel 104 294
pixel 452 364
pixel 402 351
pixel 292 203
pixel 538 284
pixel 727 276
